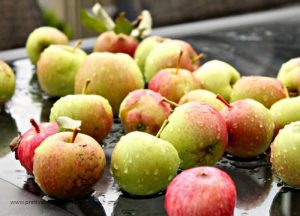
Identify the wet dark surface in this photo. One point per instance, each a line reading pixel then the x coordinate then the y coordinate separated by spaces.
pixel 258 50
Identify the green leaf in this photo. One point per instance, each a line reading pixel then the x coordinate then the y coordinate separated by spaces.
pixel 66 123
pixel 123 25
pixel 144 28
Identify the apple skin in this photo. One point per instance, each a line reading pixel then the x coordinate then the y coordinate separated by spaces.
pixel 143 110
pixel 198 132
pixel 289 75
pixel 250 128
pixel 217 77
pixel 40 39
pixel 143 164
pixel 113 76
pixel 201 191
pixel 285 111
pixel 94 112
pixel 266 90
pixel 7 82
pixel 66 170
pixel 285 154
pixel 116 43
pixel 57 68
pixel 202 96
pixel 165 55
pixel 172 84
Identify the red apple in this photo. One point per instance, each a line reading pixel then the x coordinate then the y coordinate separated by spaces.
pixel 201 191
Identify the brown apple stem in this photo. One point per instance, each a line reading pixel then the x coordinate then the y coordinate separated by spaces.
pixel 86 84
pixel 162 127
pixel 77 44
pixel 170 102
pixel 137 21
pixel 224 101
pixel 178 62
pixel 198 57
pixel 35 125
pixel 75 132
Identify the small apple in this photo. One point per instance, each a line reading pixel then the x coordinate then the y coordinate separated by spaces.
pixel 57 68
pixel 7 82
pixel 40 39
pixel 25 145
pixel 198 132
pixel 113 76
pixel 201 191
pixel 266 90
pixel 202 96
pixel 66 165
pixel 143 164
pixel 143 110
pixel 217 77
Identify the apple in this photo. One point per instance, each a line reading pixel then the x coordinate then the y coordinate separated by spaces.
pixel 144 110
pixel 40 39
pixel 66 165
pixel 217 77
pixel 202 96
pixel 285 154
pixel 165 55
pixel 116 43
pixel 25 145
pixel 289 75
pixel 198 132
pixel 201 191
pixel 143 164
pixel 113 76
pixel 250 128
pixel 57 68
pixel 285 111
pixel 266 90
pixel 7 82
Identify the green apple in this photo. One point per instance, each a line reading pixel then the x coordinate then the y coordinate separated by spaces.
pixel 285 154
pixel 289 75
pixel 7 82
pixel 40 39
pixel 217 77
pixel 143 164
pixel 202 96
pixel 57 68
pixel 266 90
pixel 113 77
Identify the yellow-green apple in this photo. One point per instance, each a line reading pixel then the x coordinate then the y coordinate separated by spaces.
pixel 217 77
pixel 143 110
pixel 143 164
pixel 7 82
pixel 40 39
pixel 266 90
pixel 201 191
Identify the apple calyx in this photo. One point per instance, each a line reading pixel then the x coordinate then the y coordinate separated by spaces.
pixel 35 125
pixel 178 62
pixel 86 84
pixel 75 132
pixel 14 144
pixel 77 44
pixel 164 99
pixel 198 58
pixel 224 101
pixel 162 128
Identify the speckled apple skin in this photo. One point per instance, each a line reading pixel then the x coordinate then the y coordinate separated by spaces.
pixel 250 128
pixel 94 112
pixel 266 90
pixel 66 170
pixel 112 76
pixel 143 110
pixel 198 132
pixel 7 82
pixel 30 140
pixel 285 154
pixel 202 96
pixel 143 164
pixel 173 85
pixel 201 191
pixel 116 43
pixel 166 54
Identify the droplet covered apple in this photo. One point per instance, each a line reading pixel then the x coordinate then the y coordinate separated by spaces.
pixel 7 82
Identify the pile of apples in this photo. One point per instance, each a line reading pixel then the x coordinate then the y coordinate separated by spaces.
pixel 189 116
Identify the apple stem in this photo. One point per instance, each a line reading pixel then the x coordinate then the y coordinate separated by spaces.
pixel 170 102
pixel 86 84
pixel 198 57
pixel 162 127
pixel 35 125
pixel 77 44
pixel 178 62
pixel 224 101
pixel 75 132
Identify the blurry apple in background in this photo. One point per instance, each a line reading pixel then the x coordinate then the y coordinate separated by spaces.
pixel 7 83
pixel 217 77
pixel 40 39
pixel 143 110
pixel 266 90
